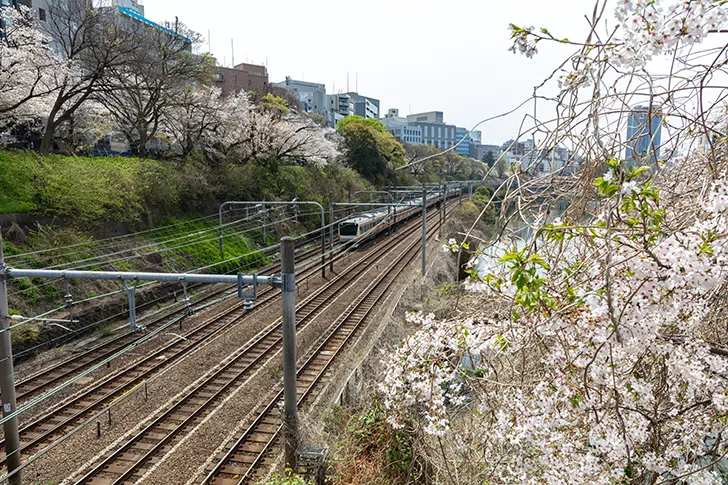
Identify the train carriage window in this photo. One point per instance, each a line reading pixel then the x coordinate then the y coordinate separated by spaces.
pixel 348 229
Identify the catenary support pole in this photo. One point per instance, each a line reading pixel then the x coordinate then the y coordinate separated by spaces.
pixel 290 411
pixel 439 212
pixel 331 234
pixel 424 229
pixel 265 220
pixel 444 207
pixel 7 379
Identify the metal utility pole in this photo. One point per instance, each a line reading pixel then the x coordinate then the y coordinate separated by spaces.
pixel 424 229
pixel 331 234
pixel 444 207
pixel 290 399
pixel 265 220
pixel 7 379
pixel 439 214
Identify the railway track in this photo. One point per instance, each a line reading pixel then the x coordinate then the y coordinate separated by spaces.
pixel 129 462
pixel 242 462
pixel 46 378
pixel 46 429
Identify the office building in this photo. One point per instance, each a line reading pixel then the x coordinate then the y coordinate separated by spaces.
pixel 438 135
pixel 402 130
pixel 311 95
pixel 643 135
pixel 364 106
pixel 434 117
pixel 478 151
pixel 464 140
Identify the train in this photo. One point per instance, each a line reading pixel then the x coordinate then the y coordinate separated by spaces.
pixel 365 226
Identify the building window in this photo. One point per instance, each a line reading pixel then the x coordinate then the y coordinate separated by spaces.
pixel 219 76
pixel 41 15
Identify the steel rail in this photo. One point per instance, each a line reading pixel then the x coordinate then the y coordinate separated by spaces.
pixel 359 310
pixel 221 380
pixel 89 399
pixel 43 379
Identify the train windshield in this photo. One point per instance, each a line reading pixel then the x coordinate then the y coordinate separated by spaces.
pixel 348 229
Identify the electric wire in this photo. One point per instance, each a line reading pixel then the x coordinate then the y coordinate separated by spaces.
pixel 98 263
pixel 107 409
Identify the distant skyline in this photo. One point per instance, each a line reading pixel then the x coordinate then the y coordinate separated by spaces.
pixel 414 55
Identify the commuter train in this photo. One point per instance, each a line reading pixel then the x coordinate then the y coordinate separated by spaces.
pixel 367 225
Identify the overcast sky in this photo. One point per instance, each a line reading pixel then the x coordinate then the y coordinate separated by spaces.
pixel 415 55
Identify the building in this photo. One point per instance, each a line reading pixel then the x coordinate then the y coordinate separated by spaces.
pixel 248 77
pixel 364 106
pixel 477 136
pixel 464 140
pixel 428 117
pixel 643 135
pixel 401 130
pixel 438 135
pixel 338 106
pixel 478 150
pixel 311 95
pixel 132 11
pixel 341 105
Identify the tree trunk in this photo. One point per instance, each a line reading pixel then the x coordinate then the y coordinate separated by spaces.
pixel 47 142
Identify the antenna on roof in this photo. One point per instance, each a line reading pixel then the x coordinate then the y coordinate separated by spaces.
pixel 232 51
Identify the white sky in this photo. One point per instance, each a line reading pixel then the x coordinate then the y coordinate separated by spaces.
pixel 415 55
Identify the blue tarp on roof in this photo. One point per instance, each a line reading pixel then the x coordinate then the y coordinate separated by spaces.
pixel 137 16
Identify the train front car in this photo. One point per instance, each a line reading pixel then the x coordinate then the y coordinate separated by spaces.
pixel 350 229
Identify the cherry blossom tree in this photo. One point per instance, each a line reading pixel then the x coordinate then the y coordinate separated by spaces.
pixel 595 350
pixel 90 42
pixel 140 92
pixel 26 67
pixel 253 133
pixel 194 117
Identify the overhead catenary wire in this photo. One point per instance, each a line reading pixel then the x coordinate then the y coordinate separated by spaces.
pixel 119 353
pixel 162 229
pixel 91 419
pixel 162 250
pixel 97 241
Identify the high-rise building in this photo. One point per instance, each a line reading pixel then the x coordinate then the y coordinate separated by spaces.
pixel 311 95
pixel 643 135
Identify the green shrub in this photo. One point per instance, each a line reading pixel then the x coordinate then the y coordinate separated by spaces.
pixel 53 293
pixel 288 478
pixel 27 289
pixel 27 332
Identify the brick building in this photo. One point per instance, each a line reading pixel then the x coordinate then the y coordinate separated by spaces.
pixel 248 77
